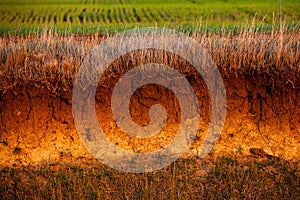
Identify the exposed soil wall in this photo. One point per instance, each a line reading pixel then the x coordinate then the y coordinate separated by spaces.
pixel 262 112
pixel 260 74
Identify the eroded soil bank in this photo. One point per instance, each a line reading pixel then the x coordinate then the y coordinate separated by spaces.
pixel 36 125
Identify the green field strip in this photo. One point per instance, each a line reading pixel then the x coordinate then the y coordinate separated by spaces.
pixel 88 17
pixel 4 14
pixel 54 17
pixel 75 15
pixel 49 17
pixel 144 19
pixel 3 17
pixel 59 16
pixel 130 15
pixel 114 18
pixel 106 16
pixel 121 15
pixel 168 13
pixel 154 15
pixel 136 16
pixel 66 17
pixel 161 15
pixel 38 20
pixel 115 13
pixel 39 2
pixel 8 16
pixel 126 15
pixel 97 15
pixel 29 15
pixel 149 15
pixel 36 15
pixel 93 16
pixel 82 15
pixel 146 15
pixel 108 2
pixel 69 16
pixel 139 15
pixel 13 18
pixel 109 15
pixel 102 16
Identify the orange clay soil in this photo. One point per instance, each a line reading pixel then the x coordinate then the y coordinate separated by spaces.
pixel 263 111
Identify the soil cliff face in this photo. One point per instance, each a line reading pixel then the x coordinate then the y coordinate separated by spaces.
pixel 262 112
pixel 260 73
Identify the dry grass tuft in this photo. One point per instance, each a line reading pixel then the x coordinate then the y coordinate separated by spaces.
pixel 52 60
pixel 224 178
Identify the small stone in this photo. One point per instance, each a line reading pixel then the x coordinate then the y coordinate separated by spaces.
pixel 18 113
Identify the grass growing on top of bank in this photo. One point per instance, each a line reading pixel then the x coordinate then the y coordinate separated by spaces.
pixel 53 59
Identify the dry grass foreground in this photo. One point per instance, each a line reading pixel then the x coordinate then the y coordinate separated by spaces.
pixel 260 72
pixel 223 178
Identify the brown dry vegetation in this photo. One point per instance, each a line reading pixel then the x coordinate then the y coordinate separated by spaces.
pixel 54 59
pixel 224 178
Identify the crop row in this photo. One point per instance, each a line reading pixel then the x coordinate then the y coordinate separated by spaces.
pixel 106 15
